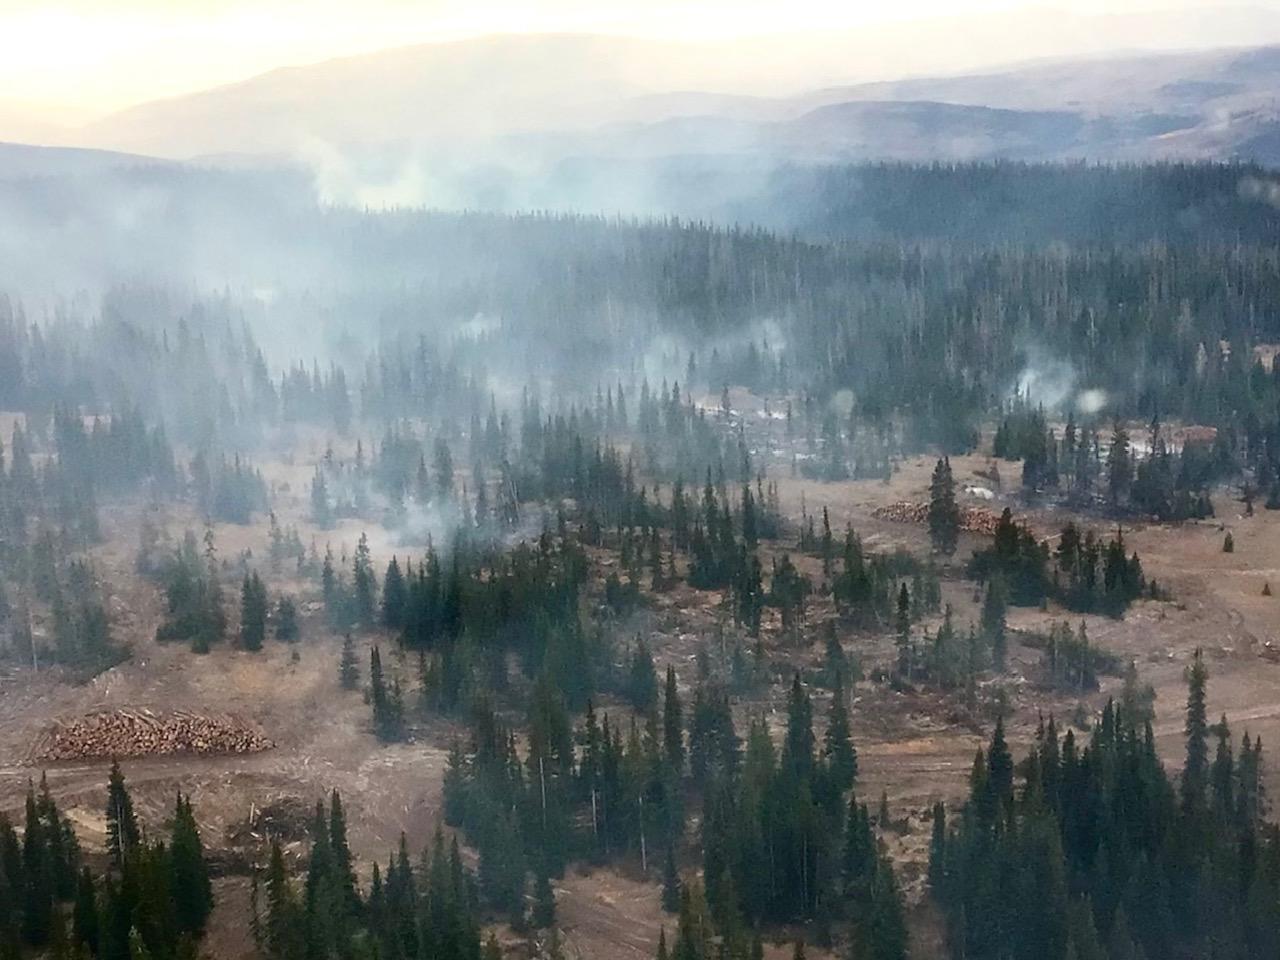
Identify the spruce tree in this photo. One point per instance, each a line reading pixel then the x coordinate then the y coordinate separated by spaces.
pixel 1195 768
pixel 286 620
pixel 838 748
pixel 123 834
pixel 364 584
pixel 395 598
pixel 253 612
pixel 902 638
pixel 944 513
pixel 190 887
pixel 84 914
pixel 348 669
pixel 642 678
pixel 38 916
pixel 673 725
pixel 321 512
pixel 544 901
pixel 671 886
pixel 994 608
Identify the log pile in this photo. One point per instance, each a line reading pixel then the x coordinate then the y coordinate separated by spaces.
pixel 141 733
pixel 972 519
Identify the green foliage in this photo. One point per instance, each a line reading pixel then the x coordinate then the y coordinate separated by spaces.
pixel 944 513
pixel 1098 854
pixel 253 612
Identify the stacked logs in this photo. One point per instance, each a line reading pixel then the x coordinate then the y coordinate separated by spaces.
pixel 141 733
pixel 972 519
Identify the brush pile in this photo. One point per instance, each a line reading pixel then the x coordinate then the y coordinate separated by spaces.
pixel 141 733
pixel 972 519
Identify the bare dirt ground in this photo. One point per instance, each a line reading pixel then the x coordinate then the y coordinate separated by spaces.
pixel 915 747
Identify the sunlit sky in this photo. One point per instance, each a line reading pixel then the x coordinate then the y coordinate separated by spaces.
pixel 79 57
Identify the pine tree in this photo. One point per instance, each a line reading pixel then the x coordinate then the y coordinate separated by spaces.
pixel 1195 769
pixel 673 725
pixel 1119 466
pixel 944 513
pixel 544 901
pixel 282 929
pixel 348 670
pixel 253 612
pixel 642 678
pixel 84 914
pixel 364 585
pixel 903 633
pixel 798 746
pixel 838 748
pixel 321 512
pixel 671 886
pixel 38 917
pixel 122 826
pixel 938 849
pixel 286 620
pixel 190 887
pixel 395 598
pixel 994 608
pixel 386 701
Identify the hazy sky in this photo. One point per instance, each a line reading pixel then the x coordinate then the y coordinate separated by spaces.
pixel 87 56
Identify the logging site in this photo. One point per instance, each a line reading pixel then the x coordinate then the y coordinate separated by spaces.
pixel 720 484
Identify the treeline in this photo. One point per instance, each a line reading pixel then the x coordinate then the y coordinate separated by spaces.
pixel 781 837
pixel 153 899
pixel 1088 575
pixel 1166 484
pixel 1092 851
pixel 923 337
pixel 1035 204
pixel 424 909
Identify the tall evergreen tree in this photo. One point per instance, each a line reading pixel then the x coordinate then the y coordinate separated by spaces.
pixel 944 513
pixel 190 886
pixel 673 725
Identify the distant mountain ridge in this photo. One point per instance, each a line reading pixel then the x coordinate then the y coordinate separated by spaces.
pixel 461 95
pixel 405 125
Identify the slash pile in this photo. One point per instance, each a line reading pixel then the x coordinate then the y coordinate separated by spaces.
pixel 972 519
pixel 141 733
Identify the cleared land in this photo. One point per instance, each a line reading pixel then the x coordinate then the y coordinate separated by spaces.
pixel 916 747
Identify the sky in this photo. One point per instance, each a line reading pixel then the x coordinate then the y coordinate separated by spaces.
pixel 73 59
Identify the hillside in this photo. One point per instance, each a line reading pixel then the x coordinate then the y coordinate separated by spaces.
pixel 461 95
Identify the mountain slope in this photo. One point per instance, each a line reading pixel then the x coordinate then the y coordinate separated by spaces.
pixel 467 91
pixel 20 160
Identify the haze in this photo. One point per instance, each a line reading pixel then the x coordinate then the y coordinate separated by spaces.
pixel 71 60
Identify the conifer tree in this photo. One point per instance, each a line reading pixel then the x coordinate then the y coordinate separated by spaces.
pixel 1195 768
pixel 364 584
pixel 944 513
pixel 123 834
pixel 838 748
pixel 642 678
pixel 903 633
pixel 673 725
pixel 190 886
pixel 395 598
pixel 286 619
pixel 544 901
pixel 321 512
pixel 348 669
pixel 671 886
pixel 253 612
pixel 385 699
pixel 38 916
pixel 84 914
pixel 994 607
